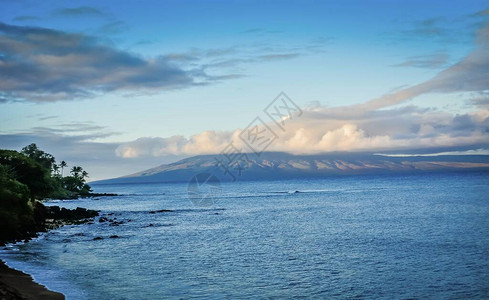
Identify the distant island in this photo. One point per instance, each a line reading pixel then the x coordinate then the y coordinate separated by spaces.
pixel 279 166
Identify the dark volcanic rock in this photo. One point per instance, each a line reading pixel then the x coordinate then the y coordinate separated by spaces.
pixel 101 195
pixel 57 213
pixel 160 211
pixel 48 217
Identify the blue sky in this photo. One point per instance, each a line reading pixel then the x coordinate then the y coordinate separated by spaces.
pixel 89 80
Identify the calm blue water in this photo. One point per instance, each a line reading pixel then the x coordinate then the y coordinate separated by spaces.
pixel 347 237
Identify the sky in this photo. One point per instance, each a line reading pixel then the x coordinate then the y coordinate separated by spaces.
pixel 122 86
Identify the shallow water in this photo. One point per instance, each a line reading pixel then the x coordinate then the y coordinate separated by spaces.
pixel 421 236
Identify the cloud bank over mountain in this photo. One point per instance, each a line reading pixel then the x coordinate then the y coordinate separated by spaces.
pixel 404 128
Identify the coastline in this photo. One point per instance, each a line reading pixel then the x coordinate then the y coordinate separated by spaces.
pixel 15 285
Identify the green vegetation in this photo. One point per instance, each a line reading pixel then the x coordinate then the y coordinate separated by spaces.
pixel 16 209
pixel 31 175
pixel 39 171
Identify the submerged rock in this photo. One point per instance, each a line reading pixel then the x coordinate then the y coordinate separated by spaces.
pixel 160 211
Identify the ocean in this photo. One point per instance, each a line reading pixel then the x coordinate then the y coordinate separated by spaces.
pixel 356 237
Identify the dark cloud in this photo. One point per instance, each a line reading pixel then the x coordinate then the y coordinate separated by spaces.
pixel 114 27
pixel 439 30
pixel 79 11
pixel 444 30
pixel 81 128
pixel 233 62
pixel 43 65
pixel 433 61
pixel 428 28
pixel 220 52
pixel 254 30
pixel 183 57
pixel 280 56
pixel 227 63
pixel 46 118
pixel 38 64
pixel 196 54
pixel 26 18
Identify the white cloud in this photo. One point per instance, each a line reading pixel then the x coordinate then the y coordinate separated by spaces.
pixel 468 152
pixel 402 128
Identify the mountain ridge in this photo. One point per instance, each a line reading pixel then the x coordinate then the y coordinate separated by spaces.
pixel 280 165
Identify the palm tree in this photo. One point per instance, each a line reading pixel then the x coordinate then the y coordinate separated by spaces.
pixel 62 165
pixel 56 169
pixel 84 174
pixel 75 170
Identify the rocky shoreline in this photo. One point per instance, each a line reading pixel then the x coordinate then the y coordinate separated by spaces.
pixel 49 217
pixel 15 284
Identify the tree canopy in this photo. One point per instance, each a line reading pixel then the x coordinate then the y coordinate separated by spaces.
pixel 40 173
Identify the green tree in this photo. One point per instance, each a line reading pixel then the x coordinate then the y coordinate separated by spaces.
pixel 63 164
pixel 39 172
pixel 76 171
pixel 56 169
pixel 77 183
pixel 29 172
pixel 45 159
